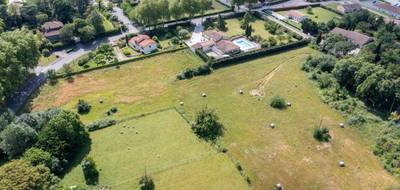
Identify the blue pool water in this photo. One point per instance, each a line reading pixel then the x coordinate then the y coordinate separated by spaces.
pixel 244 44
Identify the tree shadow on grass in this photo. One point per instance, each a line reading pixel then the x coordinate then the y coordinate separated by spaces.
pixel 77 159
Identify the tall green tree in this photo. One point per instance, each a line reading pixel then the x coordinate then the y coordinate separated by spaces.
pixel 19 54
pixel 16 138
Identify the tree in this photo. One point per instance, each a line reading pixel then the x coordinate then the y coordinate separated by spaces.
pixel 83 107
pixel 16 138
pixel 19 174
pixel 41 18
pixel 38 157
pixel 309 26
pixel 146 183
pixel 96 20
pixel 19 54
pixel 28 10
pixel 63 10
pixel 176 10
pixel 82 6
pixel 221 23
pixel 278 102
pixel 204 5
pixel 63 136
pixel 191 7
pixel 248 30
pixel 67 32
pixel 90 171
pixel 322 134
pixel 163 10
pixel 207 126
pixel 87 33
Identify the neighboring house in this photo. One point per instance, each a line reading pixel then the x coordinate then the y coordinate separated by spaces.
pixel 205 46
pixel 348 7
pixel 389 9
pixel 51 30
pixel 354 37
pixel 214 35
pixel 226 47
pixel 143 44
pixel 296 15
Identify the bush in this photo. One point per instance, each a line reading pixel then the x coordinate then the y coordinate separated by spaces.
pixel 126 52
pixel 83 60
pixel 83 107
pixel 16 138
pixel 322 134
pixel 278 102
pixel 46 52
pixel 183 33
pixel 101 124
pixel 207 126
pixel 146 183
pixel 90 171
pixel 20 174
pixel 38 156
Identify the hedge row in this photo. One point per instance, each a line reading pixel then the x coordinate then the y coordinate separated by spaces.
pixel 257 53
pixel 101 124
pixel 119 63
pixel 296 7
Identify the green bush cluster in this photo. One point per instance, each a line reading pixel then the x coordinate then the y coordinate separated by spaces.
pixel 101 124
pixel 322 134
pixel 278 102
pixel 90 171
pixel 207 125
pixel 83 107
pixel 190 73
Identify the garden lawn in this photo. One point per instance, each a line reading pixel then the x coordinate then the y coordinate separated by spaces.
pixel 287 154
pixel 45 61
pixel 163 145
pixel 233 29
pixel 319 14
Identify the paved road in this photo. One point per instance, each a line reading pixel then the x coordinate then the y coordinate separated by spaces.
pixel 17 101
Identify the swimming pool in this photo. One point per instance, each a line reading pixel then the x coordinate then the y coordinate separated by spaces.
pixel 244 44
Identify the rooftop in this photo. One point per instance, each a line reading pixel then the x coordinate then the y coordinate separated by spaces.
pixel 355 37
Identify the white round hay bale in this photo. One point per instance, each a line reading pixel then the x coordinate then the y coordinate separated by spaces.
pixel 241 91
pixel 101 101
pixel 289 104
pixel 341 125
pixel 204 95
pixel 272 125
pixel 278 186
pixel 341 163
pixel 181 103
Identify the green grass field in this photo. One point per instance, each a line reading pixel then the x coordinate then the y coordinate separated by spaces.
pixel 45 61
pixel 233 29
pixel 287 154
pixel 319 15
pixel 163 144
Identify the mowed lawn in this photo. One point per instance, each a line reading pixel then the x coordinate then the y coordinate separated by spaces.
pixel 319 15
pixel 287 154
pixel 233 29
pixel 163 145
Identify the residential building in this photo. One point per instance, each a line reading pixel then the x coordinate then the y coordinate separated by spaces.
pixel 389 9
pixel 143 44
pixel 216 36
pixel 226 47
pixel 354 37
pixel 296 15
pixel 51 30
pixel 348 7
pixel 205 46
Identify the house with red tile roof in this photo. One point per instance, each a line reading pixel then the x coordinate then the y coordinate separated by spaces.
pixel 226 47
pixel 348 7
pixel 143 44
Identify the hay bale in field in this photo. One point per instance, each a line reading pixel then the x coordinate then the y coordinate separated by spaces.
pixel 272 125
pixel 204 95
pixel 278 186
pixel 341 125
pixel 341 163
pixel 181 103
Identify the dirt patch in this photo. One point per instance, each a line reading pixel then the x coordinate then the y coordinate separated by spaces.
pixel 259 91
